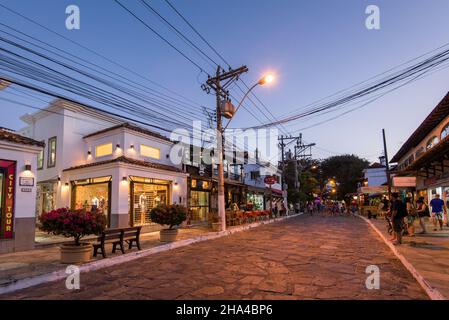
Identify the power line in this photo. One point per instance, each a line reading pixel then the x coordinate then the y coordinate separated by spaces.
pixel 161 37
pixel 179 33
pixel 95 53
pixel 196 31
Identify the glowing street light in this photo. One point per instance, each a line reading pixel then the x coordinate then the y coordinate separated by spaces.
pixel 267 79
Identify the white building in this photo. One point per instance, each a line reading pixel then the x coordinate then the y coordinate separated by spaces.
pixel 18 163
pixel 375 175
pixel 94 160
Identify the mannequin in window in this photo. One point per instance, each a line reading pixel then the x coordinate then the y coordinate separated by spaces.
pixel 95 202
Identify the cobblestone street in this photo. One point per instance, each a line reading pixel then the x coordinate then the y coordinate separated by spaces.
pixel 300 258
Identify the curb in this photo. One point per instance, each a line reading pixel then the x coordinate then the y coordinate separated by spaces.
pixel 433 293
pixel 108 262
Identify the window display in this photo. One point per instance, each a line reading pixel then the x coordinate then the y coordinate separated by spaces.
pixel 92 194
pixel 146 196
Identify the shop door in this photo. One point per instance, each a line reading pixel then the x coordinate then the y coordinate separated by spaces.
pixel 199 204
pixel 146 196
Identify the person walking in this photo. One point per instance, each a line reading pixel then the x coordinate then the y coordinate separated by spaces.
pixel 411 215
pixel 398 213
pixel 422 209
pixel 438 209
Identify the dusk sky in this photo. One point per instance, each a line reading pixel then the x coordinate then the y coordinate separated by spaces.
pixel 314 48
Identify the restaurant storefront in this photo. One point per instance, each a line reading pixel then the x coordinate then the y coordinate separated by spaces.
pixel 255 199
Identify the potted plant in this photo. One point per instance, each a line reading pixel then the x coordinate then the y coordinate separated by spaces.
pixel 215 221
pixel 171 216
pixel 73 224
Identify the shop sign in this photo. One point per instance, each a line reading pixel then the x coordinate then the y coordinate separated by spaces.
pixel 404 182
pixel 26 182
pixel 270 180
pixel 8 210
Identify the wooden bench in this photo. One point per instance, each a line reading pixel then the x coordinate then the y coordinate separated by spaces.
pixel 117 237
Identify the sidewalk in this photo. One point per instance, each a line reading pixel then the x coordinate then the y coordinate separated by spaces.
pixel 45 259
pixel 428 253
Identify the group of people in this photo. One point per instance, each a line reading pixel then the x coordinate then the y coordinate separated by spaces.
pixel 402 216
pixel 330 208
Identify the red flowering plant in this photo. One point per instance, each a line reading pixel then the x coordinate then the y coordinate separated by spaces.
pixel 170 215
pixel 72 223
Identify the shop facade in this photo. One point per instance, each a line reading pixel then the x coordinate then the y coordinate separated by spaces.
pixel 124 190
pixel 18 161
pixel 424 158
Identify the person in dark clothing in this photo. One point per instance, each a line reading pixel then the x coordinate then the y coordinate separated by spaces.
pixel 398 213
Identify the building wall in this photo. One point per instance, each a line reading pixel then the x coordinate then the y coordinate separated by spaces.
pixel 435 132
pixel 25 202
pixel 376 176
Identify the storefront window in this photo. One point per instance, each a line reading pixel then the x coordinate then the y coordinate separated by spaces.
pixel 255 201
pixel 146 196
pixel 199 205
pixel 92 194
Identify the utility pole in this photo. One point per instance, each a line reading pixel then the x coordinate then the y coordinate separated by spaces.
pixel 222 96
pixel 387 165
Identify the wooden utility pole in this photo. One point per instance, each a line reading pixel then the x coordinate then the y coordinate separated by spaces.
pixel 387 165
pixel 222 95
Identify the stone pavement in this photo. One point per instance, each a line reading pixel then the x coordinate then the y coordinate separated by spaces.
pixel 428 253
pixel 300 258
pixel 45 259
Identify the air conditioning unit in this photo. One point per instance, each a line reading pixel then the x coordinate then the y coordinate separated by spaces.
pixel 227 109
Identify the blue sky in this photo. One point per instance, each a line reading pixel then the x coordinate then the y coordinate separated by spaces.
pixel 315 48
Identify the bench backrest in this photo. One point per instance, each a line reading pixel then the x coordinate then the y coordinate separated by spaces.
pixel 118 233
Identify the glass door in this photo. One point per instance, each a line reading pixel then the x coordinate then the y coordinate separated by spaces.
pixel 146 196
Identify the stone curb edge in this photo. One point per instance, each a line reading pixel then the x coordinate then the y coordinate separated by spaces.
pixel 433 293
pixel 108 262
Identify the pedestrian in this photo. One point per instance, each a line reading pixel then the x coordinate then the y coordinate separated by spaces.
pixel 438 209
pixel 398 213
pixel 411 215
pixel 422 209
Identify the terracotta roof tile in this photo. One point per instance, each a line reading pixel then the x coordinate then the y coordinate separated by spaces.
pixel 10 136
pixel 127 160
pixel 132 127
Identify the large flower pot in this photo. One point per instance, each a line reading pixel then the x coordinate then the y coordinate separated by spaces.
pixel 216 226
pixel 168 235
pixel 71 254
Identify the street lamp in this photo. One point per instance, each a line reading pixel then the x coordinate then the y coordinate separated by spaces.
pixel 221 202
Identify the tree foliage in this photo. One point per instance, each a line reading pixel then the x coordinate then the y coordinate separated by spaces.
pixel 346 170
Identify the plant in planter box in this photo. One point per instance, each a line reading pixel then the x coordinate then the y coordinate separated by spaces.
pixel 171 216
pixel 73 224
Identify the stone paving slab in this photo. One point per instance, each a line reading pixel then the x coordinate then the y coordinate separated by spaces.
pixel 428 253
pixel 45 259
pixel 300 258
